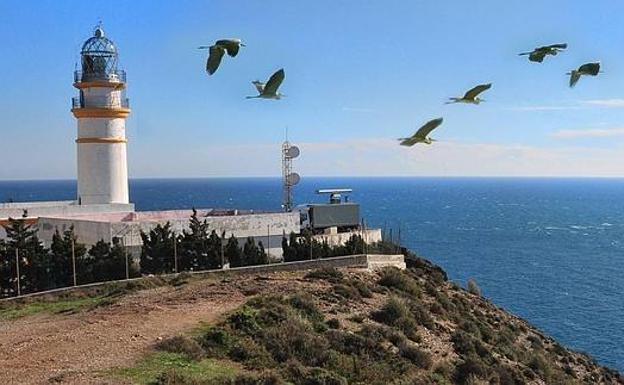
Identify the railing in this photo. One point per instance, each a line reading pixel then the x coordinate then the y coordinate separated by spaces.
pixel 100 103
pixel 111 76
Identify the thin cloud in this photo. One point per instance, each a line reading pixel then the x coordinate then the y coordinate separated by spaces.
pixel 588 133
pixel 545 108
pixel 610 103
pixel 580 104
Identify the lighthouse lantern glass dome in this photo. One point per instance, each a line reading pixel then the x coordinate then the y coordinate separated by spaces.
pixel 99 58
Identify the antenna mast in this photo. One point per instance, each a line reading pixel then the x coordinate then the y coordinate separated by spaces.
pixel 289 178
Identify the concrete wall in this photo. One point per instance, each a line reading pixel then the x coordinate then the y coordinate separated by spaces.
pixel 337 239
pixel 54 209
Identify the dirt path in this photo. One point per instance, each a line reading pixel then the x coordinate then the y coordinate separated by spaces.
pixel 71 349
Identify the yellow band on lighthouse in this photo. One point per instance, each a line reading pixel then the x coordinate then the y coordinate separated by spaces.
pixel 95 112
pixel 102 140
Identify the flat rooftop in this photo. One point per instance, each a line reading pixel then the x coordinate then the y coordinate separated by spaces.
pixel 157 216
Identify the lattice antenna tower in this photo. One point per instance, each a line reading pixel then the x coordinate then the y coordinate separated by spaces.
pixel 289 178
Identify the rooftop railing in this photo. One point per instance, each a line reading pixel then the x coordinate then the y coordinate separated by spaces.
pixel 111 76
pixel 100 103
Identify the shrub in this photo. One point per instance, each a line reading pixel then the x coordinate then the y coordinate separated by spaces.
pixel 396 313
pixel 347 292
pixel 392 311
pixel 245 320
pixel 265 378
pixel 333 323
pixel 305 304
pixel 215 341
pixel 295 339
pixel 417 356
pixel 473 288
pixel 313 376
pixel 330 274
pixel 251 354
pixel 394 278
pixel 469 369
pixel 183 345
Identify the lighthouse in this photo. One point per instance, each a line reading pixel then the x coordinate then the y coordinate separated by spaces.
pixel 101 109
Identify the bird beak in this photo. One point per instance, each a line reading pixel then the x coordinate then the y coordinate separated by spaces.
pixel 243 45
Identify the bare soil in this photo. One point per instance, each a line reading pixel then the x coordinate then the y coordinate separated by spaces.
pixel 81 348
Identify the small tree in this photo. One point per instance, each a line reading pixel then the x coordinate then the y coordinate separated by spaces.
pixel 35 263
pixel 233 252
pixel 157 252
pixel 254 254
pixel 109 263
pixel 194 244
pixel 61 254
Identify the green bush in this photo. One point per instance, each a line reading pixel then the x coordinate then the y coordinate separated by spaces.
pixel 330 274
pixel 183 345
pixel 215 341
pixel 417 356
pixel 295 339
pixel 392 277
pixel 250 353
pixel 473 288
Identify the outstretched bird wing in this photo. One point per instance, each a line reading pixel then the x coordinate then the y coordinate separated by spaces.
pixel 214 58
pixel 427 128
pixel 574 77
pixel 231 46
pixel 409 141
pixel 270 88
pixel 259 86
pixel 589 69
pixel 556 46
pixel 471 94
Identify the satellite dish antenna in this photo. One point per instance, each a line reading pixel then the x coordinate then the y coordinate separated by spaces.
pixel 293 178
pixel 293 152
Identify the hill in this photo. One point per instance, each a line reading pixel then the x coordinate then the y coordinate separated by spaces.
pixel 320 327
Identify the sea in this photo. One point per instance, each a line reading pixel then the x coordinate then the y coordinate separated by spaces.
pixel 550 250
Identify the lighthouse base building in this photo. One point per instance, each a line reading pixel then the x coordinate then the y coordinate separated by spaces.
pixel 102 209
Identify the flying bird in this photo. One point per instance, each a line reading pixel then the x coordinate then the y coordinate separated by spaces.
pixel 421 136
pixel 591 69
pixel 471 96
pixel 538 54
pixel 218 49
pixel 268 90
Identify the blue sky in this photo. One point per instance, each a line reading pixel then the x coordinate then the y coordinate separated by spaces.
pixel 359 74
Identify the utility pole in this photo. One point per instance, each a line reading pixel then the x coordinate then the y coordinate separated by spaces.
pixel 73 251
pixel 175 253
pixel 19 289
pixel 269 241
pixel 222 251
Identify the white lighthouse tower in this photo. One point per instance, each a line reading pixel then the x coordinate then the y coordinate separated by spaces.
pixel 101 110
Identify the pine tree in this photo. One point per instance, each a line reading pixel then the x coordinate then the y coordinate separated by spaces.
pixel 253 254
pixel 35 263
pixel 6 283
pixel 233 252
pixel 109 263
pixel 194 245
pixel 157 252
pixel 61 255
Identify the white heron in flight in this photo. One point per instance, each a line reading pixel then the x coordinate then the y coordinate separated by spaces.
pixel 218 49
pixel 422 135
pixel 538 54
pixel 591 69
pixel 471 96
pixel 268 90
